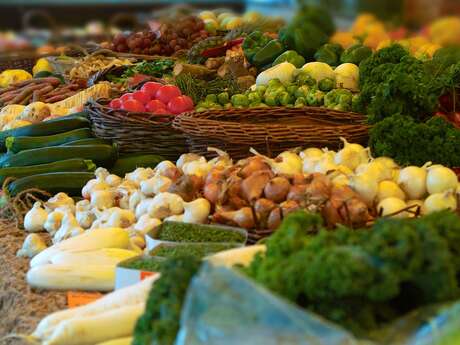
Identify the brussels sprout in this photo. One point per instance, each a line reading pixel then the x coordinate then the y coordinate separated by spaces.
pixel 303 78
pixel 228 106
pixel 255 105
pixel 200 109
pixel 284 98
pixel 300 102
pixel 215 106
pixel 302 91
pixel 240 100
pixel 315 97
pixel 260 89
pixel 292 88
pixel 274 83
pixel 254 97
pixel 356 104
pixel 326 85
pixel 223 98
pixel 211 98
pixel 271 99
pixel 339 99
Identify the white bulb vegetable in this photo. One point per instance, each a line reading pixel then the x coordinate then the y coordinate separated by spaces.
pixel 35 219
pixel 440 179
pixel 392 207
pixel 412 180
pixel 440 201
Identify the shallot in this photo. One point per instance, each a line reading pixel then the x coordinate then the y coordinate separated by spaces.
pixel 277 189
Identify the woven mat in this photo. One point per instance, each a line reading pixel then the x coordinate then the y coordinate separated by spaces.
pixel 21 308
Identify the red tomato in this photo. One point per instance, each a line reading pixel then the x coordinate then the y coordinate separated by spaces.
pixel 167 93
pixel 154 104
pixel 115 103
pixel 133 105
pixel 161 111
pixel 126 97
pixel 151 88
pixel 141 96
pixel 180 104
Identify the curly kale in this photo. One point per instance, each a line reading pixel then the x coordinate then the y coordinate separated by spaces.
pixel 412 143
pixel 363 279
pixel 394 82
pixel 160 322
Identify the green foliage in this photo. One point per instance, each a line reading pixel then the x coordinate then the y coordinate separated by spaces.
pixel 362 279
pixel 160 322
pixel 411 143
pixel 355 54
pixel 329 53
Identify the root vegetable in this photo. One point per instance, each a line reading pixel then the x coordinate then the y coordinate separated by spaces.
pixel 222 160
pixel 155 185
pixel 102 199
pixel 104 256
pixel 365 185
pixel 440 201
pixel 89 240
pixel 311 152
pixel 33 244
pixel 134 200
pixel 318 188
pixel 188 187
pixel 93 185
pixel 392 207
pixel 412 180
pixel 166 204
pixel 146 224
pixel 116 300
pixel 35 219
pixel 213 191
pixel 197 211
pixel 277 189
pixel 72 277
pixel 262 208
pixel 252 165
pixel 388 189
pixel 243 218
pixel 139 175
pixel 143 207
pixel 351 155
pixel 54 221
pixel 274 218
pixel 298 193
pixel 253 186
pixel 199 168
pixel 440 179
pixel 187 157
pixel 69 228
pixel 286 163
pixel 61 201
pixel 289 206
pixel 355 212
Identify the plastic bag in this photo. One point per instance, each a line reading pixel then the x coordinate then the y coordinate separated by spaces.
pixel 223 307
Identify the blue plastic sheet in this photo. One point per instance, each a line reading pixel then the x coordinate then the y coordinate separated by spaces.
pixel 223 307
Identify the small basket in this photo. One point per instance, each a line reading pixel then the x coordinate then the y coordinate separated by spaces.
pixel 137 132
pixel 19 60
pixel 269 130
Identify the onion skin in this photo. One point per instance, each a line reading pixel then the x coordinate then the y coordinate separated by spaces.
pixel 274 218
pixel 212 192
pixel 243 218
pixel 252 165
pixel 299 179
pixel 217 174
pixel 253 186
pixel 298 193
pixel 277 189
pixel 188 187
pixel 172 173
pixel 262 208
pixel 319 188
pixel 289 206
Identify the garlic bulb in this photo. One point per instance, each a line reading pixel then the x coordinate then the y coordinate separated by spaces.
pixel 155 185
pixel 166 204
pixel 69 228
pixel 162 168
pixel 102 199
pixel 134 200
pixel 93 185
pixel 35 219
pixel 198 168
pixel 113 180
pixel 146 224
pixel 187 157
pixel 33 244
pixel 140 174
pixel 60 200
pixel 84 215
pixel 197 211
pixel 53 222
pixel 143 207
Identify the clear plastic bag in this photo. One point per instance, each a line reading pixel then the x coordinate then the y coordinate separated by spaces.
pixel 225 308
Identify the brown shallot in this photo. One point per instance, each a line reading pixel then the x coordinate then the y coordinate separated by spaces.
pixel 277 189
pixel 274 218
pixel 243 218
pixel 251 165
pixel 262 209
pixel 253 186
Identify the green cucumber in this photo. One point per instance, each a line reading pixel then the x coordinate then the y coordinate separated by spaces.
pixel 101 155
pixel 88 141
pixel 128 163
pixel 17 144
pixel 50 127
pixel 70 183
pixel 67 165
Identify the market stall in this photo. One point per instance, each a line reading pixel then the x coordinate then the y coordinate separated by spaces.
pixel 217 178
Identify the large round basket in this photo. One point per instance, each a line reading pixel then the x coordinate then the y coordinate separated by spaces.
pixel 269 130
pixel 137 132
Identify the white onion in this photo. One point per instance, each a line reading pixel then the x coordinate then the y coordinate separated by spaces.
pixel 412 180
pixel 365 185
pixel 311 152
pixel 387 162
pixel 440 201
pixel 309 164
pixel 440 179
pixel 389 206
pixel 388 189
pixel 375 169
pixel 340 180
pixel 351 155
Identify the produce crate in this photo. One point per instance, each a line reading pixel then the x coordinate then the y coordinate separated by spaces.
pixel 269 130
pixel 137 132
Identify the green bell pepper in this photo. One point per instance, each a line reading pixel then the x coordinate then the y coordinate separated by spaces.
pixel 292 57
pixel 268 53
pixel 253 43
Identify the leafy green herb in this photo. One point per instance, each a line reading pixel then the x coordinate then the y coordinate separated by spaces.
pixel 160 322
pixel 186 232
pixel 194 249
pixel 151 264
pixel 412 143
pixel 156 68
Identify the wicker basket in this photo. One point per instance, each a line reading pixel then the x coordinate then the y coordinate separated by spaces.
pixel 269 130
pixel 137 132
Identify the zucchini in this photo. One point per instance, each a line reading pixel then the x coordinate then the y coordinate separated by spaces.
pixel 89 141
pixel 50 127
pixel 17 144
pixel 101 155
pixel 70 183
pixel 67 165
pixel 128 163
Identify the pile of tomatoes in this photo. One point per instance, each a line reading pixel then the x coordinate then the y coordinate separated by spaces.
pixel 154 98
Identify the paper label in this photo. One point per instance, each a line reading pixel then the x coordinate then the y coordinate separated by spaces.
pixel 78 298
pixel 145 274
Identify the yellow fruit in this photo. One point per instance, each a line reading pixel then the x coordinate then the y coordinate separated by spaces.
pixel 445 31
pixel 252 17
pixel 234 23
pixel 11 76
pixel 362 22
pixel 42 65
pixel 384 44
pixel 345 39
pixel 224 15
pixel 207 15
pixel 427 50
pixel 211 26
